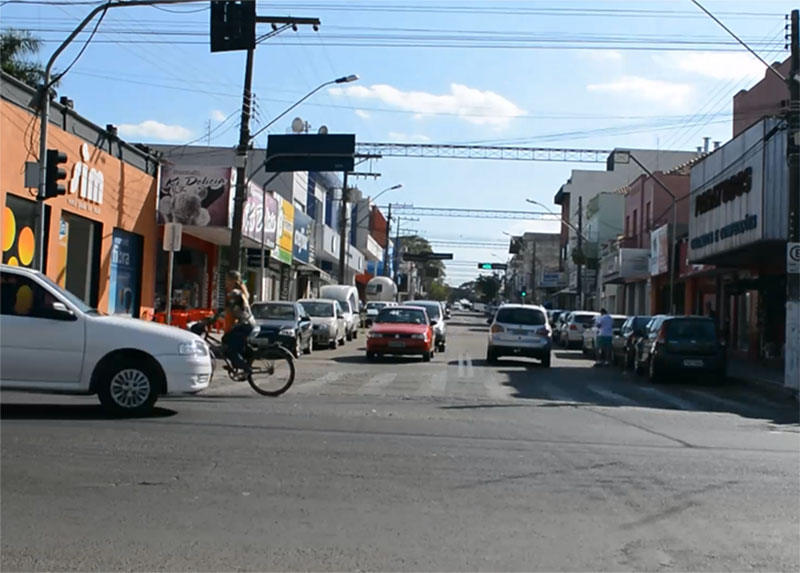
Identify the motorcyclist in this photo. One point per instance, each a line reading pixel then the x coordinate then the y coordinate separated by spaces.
pixel 239 321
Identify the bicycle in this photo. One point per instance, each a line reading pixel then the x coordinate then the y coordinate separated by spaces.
pixel 271 371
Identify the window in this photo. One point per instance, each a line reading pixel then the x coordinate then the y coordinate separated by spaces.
pixel 526 316
pixel 274 311
pixel 627 225
pixel 648 215
pixel 401 315
pixel 22 296
pixel 635 218
pixel 321 309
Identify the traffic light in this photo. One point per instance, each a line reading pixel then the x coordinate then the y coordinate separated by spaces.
pixel 523 293
pixel 233 25
pixel 54 173
pixel 485 266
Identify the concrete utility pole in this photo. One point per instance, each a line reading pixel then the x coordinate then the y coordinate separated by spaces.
pixel 386 272
pixel 534 298
pixel 343 231
pixel 580 250
pixel 792 364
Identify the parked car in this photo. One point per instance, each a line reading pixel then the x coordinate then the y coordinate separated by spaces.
pixel 682 346
pixel 286 323
pixel 401 330
pixel 552 316
pixel 623 345
pixel 573 326
pixel 558 324
pixel 653 323
pixel 372 310
pixel 348 297
pixel 434 310
pixel 520 330
pixel 458 306
pixel 327 321
pixel 53 342
pixel 589 343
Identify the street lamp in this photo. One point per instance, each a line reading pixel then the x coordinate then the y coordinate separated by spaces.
pixel 343 80
pixel 563 220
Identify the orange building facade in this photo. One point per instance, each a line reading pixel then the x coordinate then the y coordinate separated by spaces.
pixel 101 237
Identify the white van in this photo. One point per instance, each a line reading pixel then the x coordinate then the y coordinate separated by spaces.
pixel 348 297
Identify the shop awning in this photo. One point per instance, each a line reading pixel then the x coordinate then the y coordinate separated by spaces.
pixel 565 291
pixel 309 269
pixel 222 236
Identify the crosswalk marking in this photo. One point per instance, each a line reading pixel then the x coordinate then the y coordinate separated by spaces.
pixel 315 384
pixel 436 386
pixel 465 368
pixel 729 405
pixel 679 403
pixel 379 382
pixel 613 396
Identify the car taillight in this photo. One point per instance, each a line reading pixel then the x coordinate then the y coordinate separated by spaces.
pixel 496 328
pixel 543 332
pixel 662 334
pixel 573 327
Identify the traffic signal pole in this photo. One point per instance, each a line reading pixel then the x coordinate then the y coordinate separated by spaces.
pixel 792 327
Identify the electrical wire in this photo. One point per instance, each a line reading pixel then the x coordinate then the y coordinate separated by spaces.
pixel 55 79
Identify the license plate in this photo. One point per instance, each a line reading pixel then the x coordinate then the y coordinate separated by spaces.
pixel 519 332
pixel 693 363
pixel 397 344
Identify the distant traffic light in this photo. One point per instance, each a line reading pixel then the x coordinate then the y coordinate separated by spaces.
pixel 485 266
pixel 523 293
pixel 54 173
pixel 493 266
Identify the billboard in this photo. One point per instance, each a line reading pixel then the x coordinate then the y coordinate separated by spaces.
pixel 194 196
pixel 285 231
pixel 260 208
pixel 659 250
pixel 302 236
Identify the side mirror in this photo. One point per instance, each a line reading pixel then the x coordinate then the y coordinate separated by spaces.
pixel 59 311
pixel 434 322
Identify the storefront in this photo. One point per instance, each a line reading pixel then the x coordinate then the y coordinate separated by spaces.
pixel 738 223
pixel 101 236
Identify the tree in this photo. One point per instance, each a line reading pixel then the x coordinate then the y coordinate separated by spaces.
pixel 16 47
pixel 430 271
pixel 438 290
pixel 488 287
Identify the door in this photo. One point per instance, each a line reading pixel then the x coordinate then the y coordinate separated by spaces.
pixel 39 345
pixel 80 273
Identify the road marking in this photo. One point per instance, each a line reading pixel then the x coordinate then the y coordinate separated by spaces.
pixel 731 406
pixel 674 400
pixel 379 382
pixel 465 368
pixel 436 386
pixel 317 383
pixel 618 399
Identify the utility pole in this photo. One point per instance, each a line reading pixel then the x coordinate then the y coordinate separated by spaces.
pixel 386 249
pixel 792 365
pixel 396 249
pixel 343 249
pixel 580 251
pixel 235 254
pixel 534 298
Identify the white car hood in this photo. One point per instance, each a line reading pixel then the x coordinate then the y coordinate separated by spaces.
pixel 161 338
pixel 329 321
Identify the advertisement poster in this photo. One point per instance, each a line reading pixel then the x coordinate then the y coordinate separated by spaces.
pixel 302 236
pixel 194 196
pixel 19 221
pixel 285 231
pixel 124 288
pixel 260 208
pixel 659 251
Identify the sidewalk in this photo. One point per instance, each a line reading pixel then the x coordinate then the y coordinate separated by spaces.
pixel 767 379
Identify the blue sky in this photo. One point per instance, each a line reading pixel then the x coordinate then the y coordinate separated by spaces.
pixel 550 96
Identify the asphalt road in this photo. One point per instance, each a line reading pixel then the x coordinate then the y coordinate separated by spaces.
pixel 408 466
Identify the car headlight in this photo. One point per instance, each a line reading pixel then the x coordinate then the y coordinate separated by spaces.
pixel 375 335
pixel 286 332
pixel 194 348
pixel 420 336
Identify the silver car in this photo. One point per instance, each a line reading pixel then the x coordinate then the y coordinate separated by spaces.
pixel 436 315
pixel 520 330
pixel 327 319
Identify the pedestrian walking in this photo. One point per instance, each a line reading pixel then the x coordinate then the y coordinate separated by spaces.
pixel 605 330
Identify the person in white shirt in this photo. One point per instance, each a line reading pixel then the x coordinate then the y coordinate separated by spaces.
pixel 605 330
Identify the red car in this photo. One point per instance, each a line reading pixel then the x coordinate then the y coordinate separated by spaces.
pixel 401 330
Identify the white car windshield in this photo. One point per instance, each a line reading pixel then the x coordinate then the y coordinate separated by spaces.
pixel 73 300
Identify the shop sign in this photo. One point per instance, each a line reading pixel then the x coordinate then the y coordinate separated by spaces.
pixel 728 197
pixel 194 196
pixel 659 251
pixel 125 283
pixel 255 215
pixel 87 182
pixel 285 231
pixel 302 236
pixel 634 263
pixel 552 280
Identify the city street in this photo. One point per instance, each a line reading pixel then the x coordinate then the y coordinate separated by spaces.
pixel 400 465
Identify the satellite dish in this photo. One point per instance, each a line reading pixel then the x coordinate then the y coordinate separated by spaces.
pixel 323 130
pixel 298 125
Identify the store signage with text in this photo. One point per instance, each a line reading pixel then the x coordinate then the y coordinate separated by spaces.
pixel 87 182
pixel 724 192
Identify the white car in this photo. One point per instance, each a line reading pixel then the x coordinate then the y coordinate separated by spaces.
pixel 327 321
pixel 520 330
pixel 373 308
pixel 53 342
pixel 589 343
pixel 573 326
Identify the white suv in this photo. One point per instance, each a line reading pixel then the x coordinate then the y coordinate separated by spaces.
pixel 53 342
pixel 520 330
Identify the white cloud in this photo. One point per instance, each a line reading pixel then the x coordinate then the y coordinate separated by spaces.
pixel 671 94
pixel 151 129
pixel 363 114
pixel 481 107
pixel 715 65
pixel 603 55
pixel 218 115
pixel 399 137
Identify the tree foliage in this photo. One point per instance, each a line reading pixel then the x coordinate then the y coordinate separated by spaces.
pixel 17 48
pixel 488 287
pixel 431 271
pixel 438 290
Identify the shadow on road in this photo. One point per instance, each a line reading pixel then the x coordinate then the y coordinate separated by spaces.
pixel 69 412
pixel 567 355
pixel 388 359
pixel 481 363
pixel 612 387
